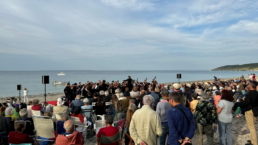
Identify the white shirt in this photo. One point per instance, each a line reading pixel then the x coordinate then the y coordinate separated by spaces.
pixel 25 92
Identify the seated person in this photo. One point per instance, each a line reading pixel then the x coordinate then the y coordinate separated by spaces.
pixel 109 130
pixel 17 136
pixel 70 136
pixel 60 124
pixel 36 106
pixel 29 122
pixel 9 113
pixel 60 108
pixel 77 103
pixel 86 109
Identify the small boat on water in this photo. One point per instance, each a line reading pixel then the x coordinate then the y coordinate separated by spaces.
pixel 59 83
pixel 61 74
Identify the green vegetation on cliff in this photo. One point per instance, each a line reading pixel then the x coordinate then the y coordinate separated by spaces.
pixel 243 67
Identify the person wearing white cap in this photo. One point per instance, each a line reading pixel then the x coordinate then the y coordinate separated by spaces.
pixel 214 90
pixel 60 108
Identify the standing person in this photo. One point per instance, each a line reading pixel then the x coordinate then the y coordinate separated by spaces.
pixel 129 114
pixel 225 117
pixel 155 96
pixel 250 104
pixel 162 108
pixel 25 95
pixel 68 93
pixel 145 124
pixel 193 103
pixel 217 98
pixel 129 83
pixel 205 115
pixel 180 121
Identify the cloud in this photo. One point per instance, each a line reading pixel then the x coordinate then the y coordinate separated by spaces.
pixel 202 12
pixel 130 4
pixel 149 33
pixel 245 25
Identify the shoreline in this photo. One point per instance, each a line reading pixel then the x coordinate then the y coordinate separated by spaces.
pixel 203 81
pixel 41 97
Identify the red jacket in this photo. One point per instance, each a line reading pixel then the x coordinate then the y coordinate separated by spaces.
pixel 18 138
pixel 74 139
pixel 36 107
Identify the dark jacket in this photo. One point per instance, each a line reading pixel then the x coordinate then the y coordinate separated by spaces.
pixel 251 100
pixel 178 125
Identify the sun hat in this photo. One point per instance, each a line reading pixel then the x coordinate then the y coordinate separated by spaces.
pixel 176 86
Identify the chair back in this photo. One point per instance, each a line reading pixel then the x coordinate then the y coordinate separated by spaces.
pixel 58 116
pixel 111 139
pixel 35 113
pixel 87 112
pixel 60 127
pixel 29 128
pixel 77 121
pixel 44 127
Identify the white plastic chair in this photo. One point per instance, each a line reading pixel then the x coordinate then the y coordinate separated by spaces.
pixel 35 113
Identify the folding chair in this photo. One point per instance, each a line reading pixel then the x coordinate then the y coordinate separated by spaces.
pixel 111 139
pixel 58 116
pixel 44 128
pixel 83 126
pixel 89 111
pixel 35 113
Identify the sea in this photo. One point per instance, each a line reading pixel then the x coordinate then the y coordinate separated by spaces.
pixel 32 80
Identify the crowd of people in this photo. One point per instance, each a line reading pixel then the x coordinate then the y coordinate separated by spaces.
pixel 140 110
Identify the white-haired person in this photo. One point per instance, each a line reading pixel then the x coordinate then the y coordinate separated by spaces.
pixel 60 108
pixel 9 113
pixel 107 97
pixel 145 124
pixel 29 122
pixel 86 108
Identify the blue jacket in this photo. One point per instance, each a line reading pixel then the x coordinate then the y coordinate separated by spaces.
pixel 178 125
pixel 156 97
pixel 76 105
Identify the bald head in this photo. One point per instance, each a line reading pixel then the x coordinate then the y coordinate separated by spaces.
pixel 69 126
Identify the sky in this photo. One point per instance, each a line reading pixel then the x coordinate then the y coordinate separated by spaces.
pixel 127 34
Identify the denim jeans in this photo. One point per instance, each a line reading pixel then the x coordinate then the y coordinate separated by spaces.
pixel 225 133
pixel 165 130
